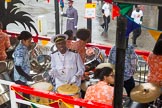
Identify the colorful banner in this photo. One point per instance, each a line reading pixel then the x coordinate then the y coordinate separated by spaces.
pixel 122 9
pixel 155 34
pixel 67 105
pixel 115 11
pixel 131 25
pixel 125 8
pixel 33 106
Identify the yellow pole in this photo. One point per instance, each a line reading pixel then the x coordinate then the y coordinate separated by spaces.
pixel 40 25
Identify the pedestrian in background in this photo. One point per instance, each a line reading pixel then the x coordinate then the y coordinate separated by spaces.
pixel 4 43
pixel 72 17
pixel 106 16
pixel 137 16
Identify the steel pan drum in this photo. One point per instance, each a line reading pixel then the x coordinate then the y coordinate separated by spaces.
pixel 69 90
pixel 41 63
pixel 146 92
pixel 4 95
pixel 42 86
pixel 14 42
pixel 93 58
pixel 3 66
pixel 4 90
pixel 42 77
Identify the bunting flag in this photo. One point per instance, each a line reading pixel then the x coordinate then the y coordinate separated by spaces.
pixel 125 8
pixel 115 11
pixel 33 106
pixel 155 34
pixel 131 25
pixel 68 105
pixel 44 42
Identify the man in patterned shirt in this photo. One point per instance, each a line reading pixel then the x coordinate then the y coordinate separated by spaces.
pixel 22 62
pixel 130 66
pixel 4 43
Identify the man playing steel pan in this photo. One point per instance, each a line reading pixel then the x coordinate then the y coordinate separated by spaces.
pixel 67 66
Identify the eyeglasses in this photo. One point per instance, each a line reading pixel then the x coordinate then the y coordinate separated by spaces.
pixel 112 75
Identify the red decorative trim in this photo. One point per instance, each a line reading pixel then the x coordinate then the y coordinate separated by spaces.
pixel 104 47
pixel 107 48
pixel 39 37
pixel 56 96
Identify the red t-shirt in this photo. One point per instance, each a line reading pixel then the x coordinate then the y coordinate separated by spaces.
pixel 4 44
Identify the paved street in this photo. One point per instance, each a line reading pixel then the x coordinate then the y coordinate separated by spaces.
pixel 36 9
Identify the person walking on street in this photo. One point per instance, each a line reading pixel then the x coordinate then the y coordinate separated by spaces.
pixel 137 16
pixel 4 43
pixel 66 64
pixel 106 16
pixel 72 17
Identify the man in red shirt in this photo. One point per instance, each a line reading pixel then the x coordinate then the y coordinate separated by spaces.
pixel 4 43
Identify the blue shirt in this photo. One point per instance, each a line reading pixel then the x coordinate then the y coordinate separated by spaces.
pixel 21 58
pixel 130 61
